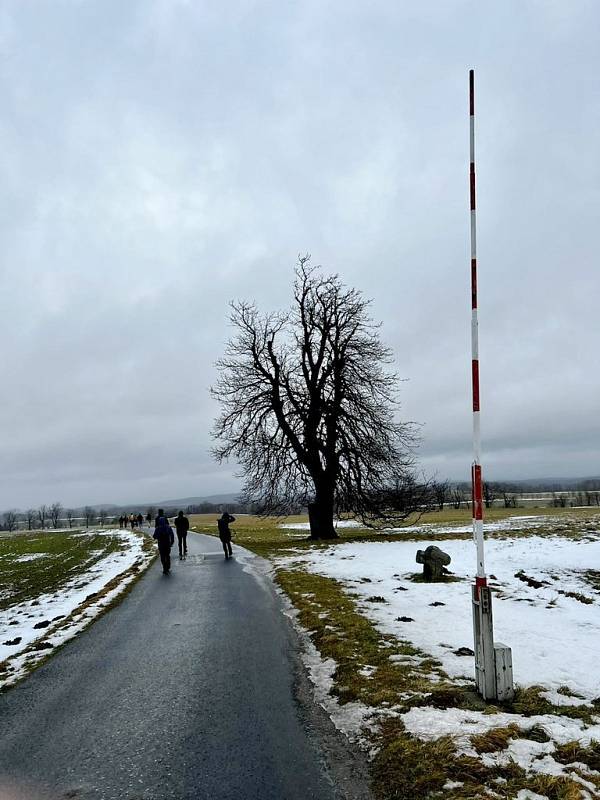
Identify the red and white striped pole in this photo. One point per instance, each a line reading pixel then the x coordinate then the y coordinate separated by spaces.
pixel 476 477
pixel 493 661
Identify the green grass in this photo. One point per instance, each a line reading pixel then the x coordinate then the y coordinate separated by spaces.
pixel 406 769
pixel 574 752
pixel 340 632
pixel 64 556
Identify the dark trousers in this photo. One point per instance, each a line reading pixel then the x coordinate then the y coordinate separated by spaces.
pixel 165 556
pixel 182 542
pixel 227 547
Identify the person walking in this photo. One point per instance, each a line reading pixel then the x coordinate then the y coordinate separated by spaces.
pixel 163 533
pixel 225 533
pixel 182 526
pixel 140 521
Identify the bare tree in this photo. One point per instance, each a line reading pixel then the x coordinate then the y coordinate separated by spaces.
pixel 42 515
pixel 559 500
pixel 490 493
pixel 308 407
pixel 70 515
pixel 89 515
pixel 10 521
pixel 459 497
pixel 509 497
pixel 102 516
pixel 55 512
pixel 441 492
pixel 409 495
pixel 30 516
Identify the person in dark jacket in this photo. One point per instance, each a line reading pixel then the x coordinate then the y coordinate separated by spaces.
pixel 163 533
pixel 182 526
pixel 225 533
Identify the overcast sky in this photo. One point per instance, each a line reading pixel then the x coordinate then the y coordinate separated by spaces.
pixel 161 157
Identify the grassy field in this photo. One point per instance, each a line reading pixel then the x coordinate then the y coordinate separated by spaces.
pixel 263 535
pixel 53 584
pixel 38 563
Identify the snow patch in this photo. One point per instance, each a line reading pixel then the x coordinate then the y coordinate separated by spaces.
pixel 31 557
pixel 559 699
pixel 305 526
pixel 429 723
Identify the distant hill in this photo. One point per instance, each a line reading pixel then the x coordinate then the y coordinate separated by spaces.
pixel 182 502
pixel 194 501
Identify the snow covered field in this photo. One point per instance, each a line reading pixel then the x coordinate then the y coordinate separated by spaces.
pixel 555 638
pixel 545 608
pixel 30 629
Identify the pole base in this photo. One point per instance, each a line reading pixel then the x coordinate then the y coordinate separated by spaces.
pixel 493 662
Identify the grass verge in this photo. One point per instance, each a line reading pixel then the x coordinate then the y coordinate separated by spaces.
pixel 78 620
pixel 392 676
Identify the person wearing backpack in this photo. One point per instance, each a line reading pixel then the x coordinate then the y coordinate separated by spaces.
pixel 225 533
pixel 182 526
pixel 163 533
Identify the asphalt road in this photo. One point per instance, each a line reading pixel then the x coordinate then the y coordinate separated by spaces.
pixel 190 688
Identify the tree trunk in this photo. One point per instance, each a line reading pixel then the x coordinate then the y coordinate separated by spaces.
pixel 320 515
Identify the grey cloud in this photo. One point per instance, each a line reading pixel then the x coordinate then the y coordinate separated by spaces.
pixel 159 158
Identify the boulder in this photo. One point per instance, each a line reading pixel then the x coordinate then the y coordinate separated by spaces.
pixel 434 562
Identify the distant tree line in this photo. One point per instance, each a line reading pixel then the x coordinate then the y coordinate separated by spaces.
pixel 446 494
pixel 419 496
pixel 55 516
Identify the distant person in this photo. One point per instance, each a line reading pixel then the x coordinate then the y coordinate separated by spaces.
pixel 148 518
pixel 140 520
pixel 121 520
pixel 182 526
pixel 225 533
pixel 163 533
pixel 132 521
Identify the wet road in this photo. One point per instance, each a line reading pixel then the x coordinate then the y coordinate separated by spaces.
pixel 186 690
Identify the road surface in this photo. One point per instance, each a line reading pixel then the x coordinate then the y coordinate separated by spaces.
pixel 190 688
